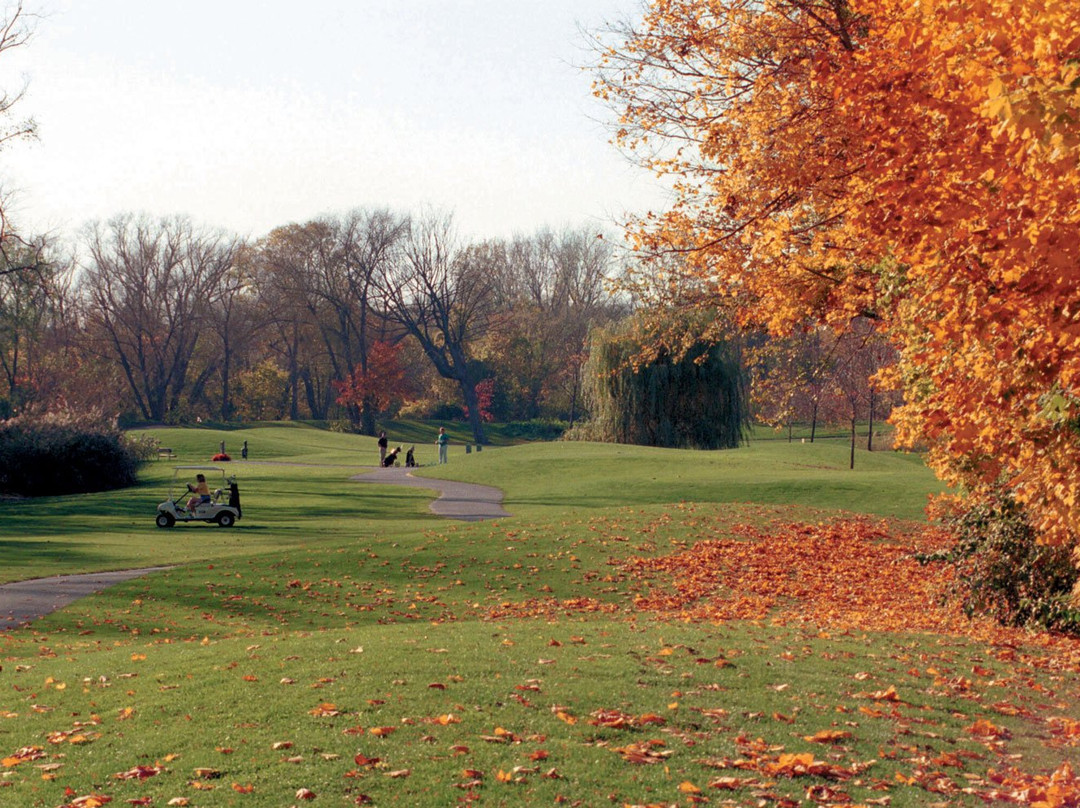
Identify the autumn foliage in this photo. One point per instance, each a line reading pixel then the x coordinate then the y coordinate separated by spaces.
pixel 915 163
pixel 381 382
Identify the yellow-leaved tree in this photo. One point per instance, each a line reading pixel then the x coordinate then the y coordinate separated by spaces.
pixel 914 163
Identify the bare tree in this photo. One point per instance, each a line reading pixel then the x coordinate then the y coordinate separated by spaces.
pixel 365 241
pixel 551 292
pixel 280 271
pixel 17 254
pixel 442 294
pixel 30 303
pixel 323 272
pixel 235 321
pixel 148 288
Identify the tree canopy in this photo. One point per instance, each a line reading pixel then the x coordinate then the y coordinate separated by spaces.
pixel 914 163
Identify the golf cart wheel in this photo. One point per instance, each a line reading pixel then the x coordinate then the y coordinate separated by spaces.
pixel 165 520
pixel 225 519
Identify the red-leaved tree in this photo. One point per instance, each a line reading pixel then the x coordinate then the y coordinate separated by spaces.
pixel 384 383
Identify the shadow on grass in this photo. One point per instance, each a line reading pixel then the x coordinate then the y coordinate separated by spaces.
pixel 18 553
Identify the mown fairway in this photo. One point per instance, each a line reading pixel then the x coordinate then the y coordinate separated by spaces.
pixel 611 643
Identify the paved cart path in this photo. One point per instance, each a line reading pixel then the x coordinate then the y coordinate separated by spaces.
pixel 466 501
pixel 25 601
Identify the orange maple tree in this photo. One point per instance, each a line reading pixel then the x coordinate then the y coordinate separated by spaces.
pixel 916 163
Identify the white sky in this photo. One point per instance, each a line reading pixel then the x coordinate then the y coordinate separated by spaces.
pixel 250 114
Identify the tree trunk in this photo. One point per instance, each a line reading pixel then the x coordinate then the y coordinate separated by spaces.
pixel 294 376
pixel 367 417
pixel 353 412
pixel 573 404
pixel 851 465
pixel 311 395
pixel 226 400
pixel 870 431
pixel 472 403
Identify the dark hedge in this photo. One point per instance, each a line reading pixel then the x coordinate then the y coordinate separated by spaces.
pixel 48 460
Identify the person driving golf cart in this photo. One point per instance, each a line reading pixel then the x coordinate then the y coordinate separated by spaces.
pixel 200 492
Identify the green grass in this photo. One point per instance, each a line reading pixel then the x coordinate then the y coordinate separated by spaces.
pixel 353 599
pixel 593 475
pixel 294 474
pixel 456 698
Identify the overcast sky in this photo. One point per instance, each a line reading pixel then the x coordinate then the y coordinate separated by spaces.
pixel 250 114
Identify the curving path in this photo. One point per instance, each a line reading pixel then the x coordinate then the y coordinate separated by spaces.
pixel 25 601
pixel 466 501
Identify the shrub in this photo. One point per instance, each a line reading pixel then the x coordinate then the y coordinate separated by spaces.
pixel 536 429
pixel 144 447
pixel 447 411
pixel 1003 571
pixel 48 459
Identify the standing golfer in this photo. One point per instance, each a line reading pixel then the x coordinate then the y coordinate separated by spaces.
pixel 382 449
pixel 441 442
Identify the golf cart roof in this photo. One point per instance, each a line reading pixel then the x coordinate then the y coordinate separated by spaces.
pixel 199 468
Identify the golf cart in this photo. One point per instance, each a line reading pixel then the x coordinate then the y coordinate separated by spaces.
pixel 223 507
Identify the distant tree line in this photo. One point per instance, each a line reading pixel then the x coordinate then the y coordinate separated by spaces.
pixel 354 317
pixel 372 314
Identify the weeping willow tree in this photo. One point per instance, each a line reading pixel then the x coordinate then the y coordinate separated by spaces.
pixel 643 395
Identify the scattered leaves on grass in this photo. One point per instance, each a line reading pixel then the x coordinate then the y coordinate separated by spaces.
pixel 23 755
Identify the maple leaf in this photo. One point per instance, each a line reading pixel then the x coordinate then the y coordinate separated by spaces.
pixel 889 694
pixel 827 794
pixel 983 728
pixel 828 736
pixel 88 801
pixel 643 753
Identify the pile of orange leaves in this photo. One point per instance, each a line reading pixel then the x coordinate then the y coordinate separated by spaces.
pixel 840 574
pixel 843 574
